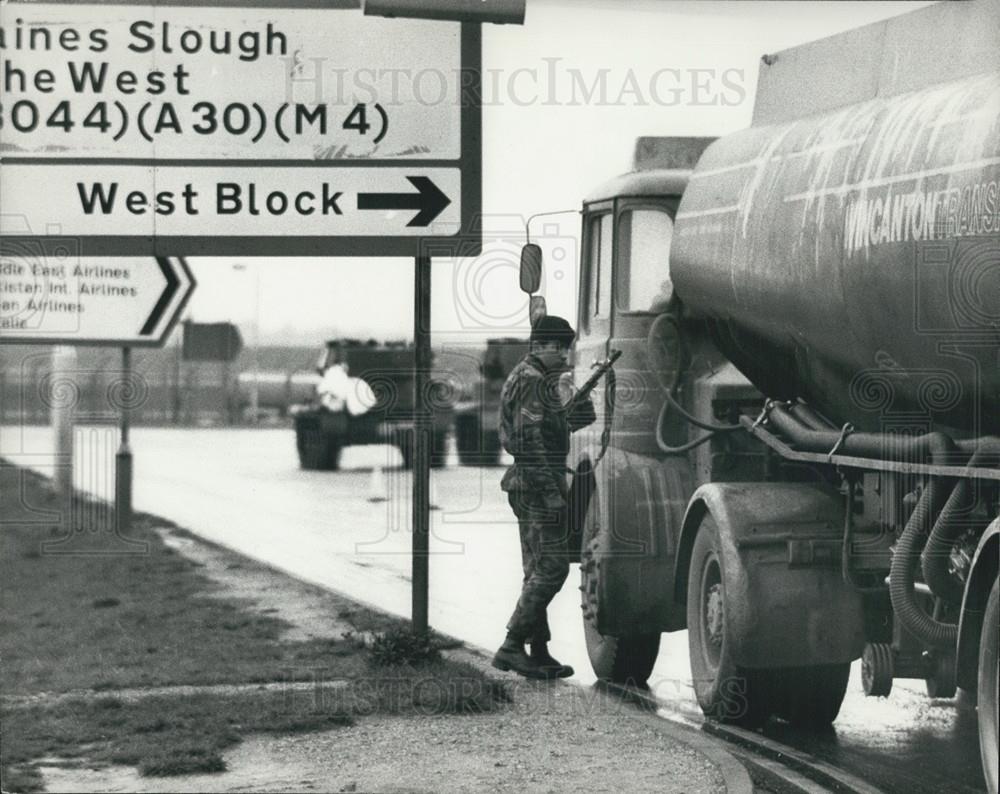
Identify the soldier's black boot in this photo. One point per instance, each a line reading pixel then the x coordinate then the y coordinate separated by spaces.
pixel 511 656
pixel 552 667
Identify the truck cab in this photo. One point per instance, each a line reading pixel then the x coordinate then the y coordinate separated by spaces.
pixel 668 422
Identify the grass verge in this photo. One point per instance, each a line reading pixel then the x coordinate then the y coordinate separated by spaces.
pixel 81 611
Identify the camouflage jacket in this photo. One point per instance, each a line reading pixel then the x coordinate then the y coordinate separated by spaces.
pixel 535 429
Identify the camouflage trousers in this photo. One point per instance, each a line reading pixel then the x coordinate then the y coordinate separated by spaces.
pixel 545 563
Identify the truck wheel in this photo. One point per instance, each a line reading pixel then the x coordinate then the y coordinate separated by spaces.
pixel 625 660
pixel 491 448
pixel 809 697
pixel 333 456
pixel 312 447
pixel 466 439
pixel 989 690
pixel 725 691
pixel 439 449
pixel 941 682
pixel 318 453
pixel 404 440
pixel 878 664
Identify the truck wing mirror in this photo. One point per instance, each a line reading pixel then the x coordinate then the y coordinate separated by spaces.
pixel 531 268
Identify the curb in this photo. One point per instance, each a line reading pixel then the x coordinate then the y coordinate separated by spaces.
pixel 733 771
pixel 779 766
pixel 735 775
pixel 801 763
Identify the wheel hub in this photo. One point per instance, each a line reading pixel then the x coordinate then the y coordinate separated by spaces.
pixel 714 615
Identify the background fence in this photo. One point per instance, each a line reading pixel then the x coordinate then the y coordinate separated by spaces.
pixel 167 390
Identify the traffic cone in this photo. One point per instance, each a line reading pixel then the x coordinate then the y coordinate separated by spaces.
pixel 376 486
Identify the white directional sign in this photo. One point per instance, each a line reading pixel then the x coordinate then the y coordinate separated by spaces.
pixel 293 127
pixel 53 297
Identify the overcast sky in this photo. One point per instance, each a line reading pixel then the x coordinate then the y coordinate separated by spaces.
pixel 546 145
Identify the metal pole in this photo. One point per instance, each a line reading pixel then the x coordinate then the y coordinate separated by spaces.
pixel 255 395
pixel 421 440
pixel 123 460
pixel 61 414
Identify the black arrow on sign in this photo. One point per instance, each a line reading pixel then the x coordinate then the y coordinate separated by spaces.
pixel 430 201
pixel 165 297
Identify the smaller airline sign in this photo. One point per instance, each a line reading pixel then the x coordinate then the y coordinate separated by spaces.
pixel 55 297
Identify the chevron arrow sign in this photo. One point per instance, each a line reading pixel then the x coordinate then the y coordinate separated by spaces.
pixel 49 296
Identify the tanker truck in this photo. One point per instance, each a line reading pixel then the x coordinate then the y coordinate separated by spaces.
pixel 799 459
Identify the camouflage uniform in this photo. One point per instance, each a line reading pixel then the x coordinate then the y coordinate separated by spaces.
pixel 535 429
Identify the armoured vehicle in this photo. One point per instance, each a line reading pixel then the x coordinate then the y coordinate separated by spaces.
pixel 476 417
pixel 802 465
pixel 387 369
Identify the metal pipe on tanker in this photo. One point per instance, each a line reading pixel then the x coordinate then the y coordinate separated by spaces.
pixel 935 446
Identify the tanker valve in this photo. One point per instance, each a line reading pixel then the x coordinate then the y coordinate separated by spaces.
pixel 960 558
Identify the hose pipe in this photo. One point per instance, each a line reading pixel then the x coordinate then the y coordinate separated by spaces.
pixel 904 565
pixel 937 447
pixel 948 528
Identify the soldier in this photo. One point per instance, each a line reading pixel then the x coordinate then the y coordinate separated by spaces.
pixel 535 429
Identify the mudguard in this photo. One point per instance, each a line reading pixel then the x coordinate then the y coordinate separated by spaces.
pixel 635 510
pixel 786 602
pixel 982 574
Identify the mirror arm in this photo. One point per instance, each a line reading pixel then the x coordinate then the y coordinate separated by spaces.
pixel 527 223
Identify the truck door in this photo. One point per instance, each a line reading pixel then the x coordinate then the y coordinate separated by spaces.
pixel 595 304
pixel 642 291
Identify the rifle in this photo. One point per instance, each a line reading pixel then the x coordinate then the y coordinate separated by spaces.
pixel 584 391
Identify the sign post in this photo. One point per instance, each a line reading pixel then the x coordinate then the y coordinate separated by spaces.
pixel 123 459
pixel 421 439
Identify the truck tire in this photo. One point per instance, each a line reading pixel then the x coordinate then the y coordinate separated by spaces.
pixel 333 456
pixel 439 449
pixel 808 697
pixel 623 660
pixel 725 691
pixel 989 696
pixel 317 451
pixel 404 440
pixel 467 439
pixel 491 448
pixel 475 447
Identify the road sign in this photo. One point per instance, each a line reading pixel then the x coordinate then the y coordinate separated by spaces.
pixel 298 128
pixel 56 298
pixel 501 12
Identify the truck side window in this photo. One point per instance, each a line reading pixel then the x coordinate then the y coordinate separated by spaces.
pixel 643 260
pixel 600 265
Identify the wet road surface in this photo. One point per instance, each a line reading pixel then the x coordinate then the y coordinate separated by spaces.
pixel 243 488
